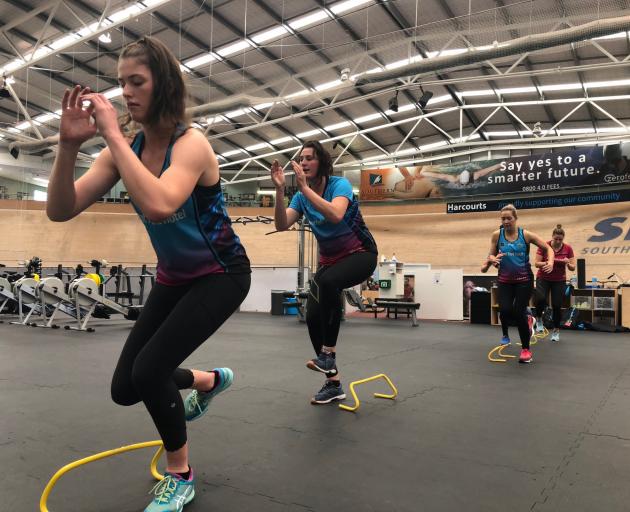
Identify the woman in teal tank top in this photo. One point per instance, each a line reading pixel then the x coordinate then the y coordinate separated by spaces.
pixel 509 252
pixel 347 253
pixel 172 176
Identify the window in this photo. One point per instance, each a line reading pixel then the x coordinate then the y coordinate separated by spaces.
pixel 40 195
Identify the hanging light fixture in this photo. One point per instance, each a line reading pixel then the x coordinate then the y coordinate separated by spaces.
pixel 393 102
pixel 4 92
pixel 424 99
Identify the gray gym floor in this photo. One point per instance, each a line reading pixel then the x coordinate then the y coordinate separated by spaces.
pixel 463 435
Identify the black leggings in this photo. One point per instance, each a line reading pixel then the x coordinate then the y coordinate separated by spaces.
pixel 323 307
pixel 173 323
pixel 557 292
pixel 513 302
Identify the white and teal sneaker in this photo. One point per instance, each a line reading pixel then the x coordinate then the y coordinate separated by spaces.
pixel 172 493
pixel 197 402
pixel 555 335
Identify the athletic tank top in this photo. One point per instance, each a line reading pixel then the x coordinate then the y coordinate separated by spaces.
pixel 336 241
pixel 198 238
pixel 515 266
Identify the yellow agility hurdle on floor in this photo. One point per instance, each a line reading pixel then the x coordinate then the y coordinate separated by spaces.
pixel 541 335
pixel 357 403
pixel 504 357
pixel 499 351
pixel 103 455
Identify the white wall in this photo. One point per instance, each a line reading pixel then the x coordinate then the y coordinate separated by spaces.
pixel 439 293
pixel 265 279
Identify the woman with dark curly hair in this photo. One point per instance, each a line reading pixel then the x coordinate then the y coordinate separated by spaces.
pixel 347 251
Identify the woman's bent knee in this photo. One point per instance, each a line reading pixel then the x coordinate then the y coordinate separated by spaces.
pixel 123 395
pixel 143 378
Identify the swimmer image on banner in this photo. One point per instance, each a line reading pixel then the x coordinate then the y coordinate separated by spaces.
pixel 594 165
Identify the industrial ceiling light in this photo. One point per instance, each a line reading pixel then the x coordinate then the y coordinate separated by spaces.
pixel 537 128
pixel 424 99
pixel 393 102
pixel 14 150
pixel 4 92
pixel 105 37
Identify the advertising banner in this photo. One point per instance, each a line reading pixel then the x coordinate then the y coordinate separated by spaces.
pixel 588 166
pixel 530 203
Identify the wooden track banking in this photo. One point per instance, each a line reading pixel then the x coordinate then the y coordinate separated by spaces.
pixel 415 232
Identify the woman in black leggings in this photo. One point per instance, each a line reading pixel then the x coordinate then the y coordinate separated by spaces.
pixel 203 274
pixel 348 253
pixel 554 281
pixel 509 251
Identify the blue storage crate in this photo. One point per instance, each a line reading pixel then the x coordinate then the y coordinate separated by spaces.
pixel 291 310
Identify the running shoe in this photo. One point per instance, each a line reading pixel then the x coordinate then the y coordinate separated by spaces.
pixel 324 363
pixel 172 493
pixel 526 356
pixel 197 402
pixel 329 392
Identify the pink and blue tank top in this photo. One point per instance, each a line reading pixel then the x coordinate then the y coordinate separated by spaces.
pixel 515 266
pixel 336 241
pixel 198 238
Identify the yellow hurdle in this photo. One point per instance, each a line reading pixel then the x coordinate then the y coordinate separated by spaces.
pixel 541 335
pixel 499 351
pixel 357 403
pixel 98 456
pixel 504 357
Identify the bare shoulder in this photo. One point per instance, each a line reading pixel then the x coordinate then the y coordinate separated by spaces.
pixel 194 136
pixel 194 152
pixel 193 143
pixel 495 234
pixel 528 235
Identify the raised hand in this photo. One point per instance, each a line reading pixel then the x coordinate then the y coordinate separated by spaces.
pixel 76 124
pixel 300 177
pixel 104 114
pixel 277 174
